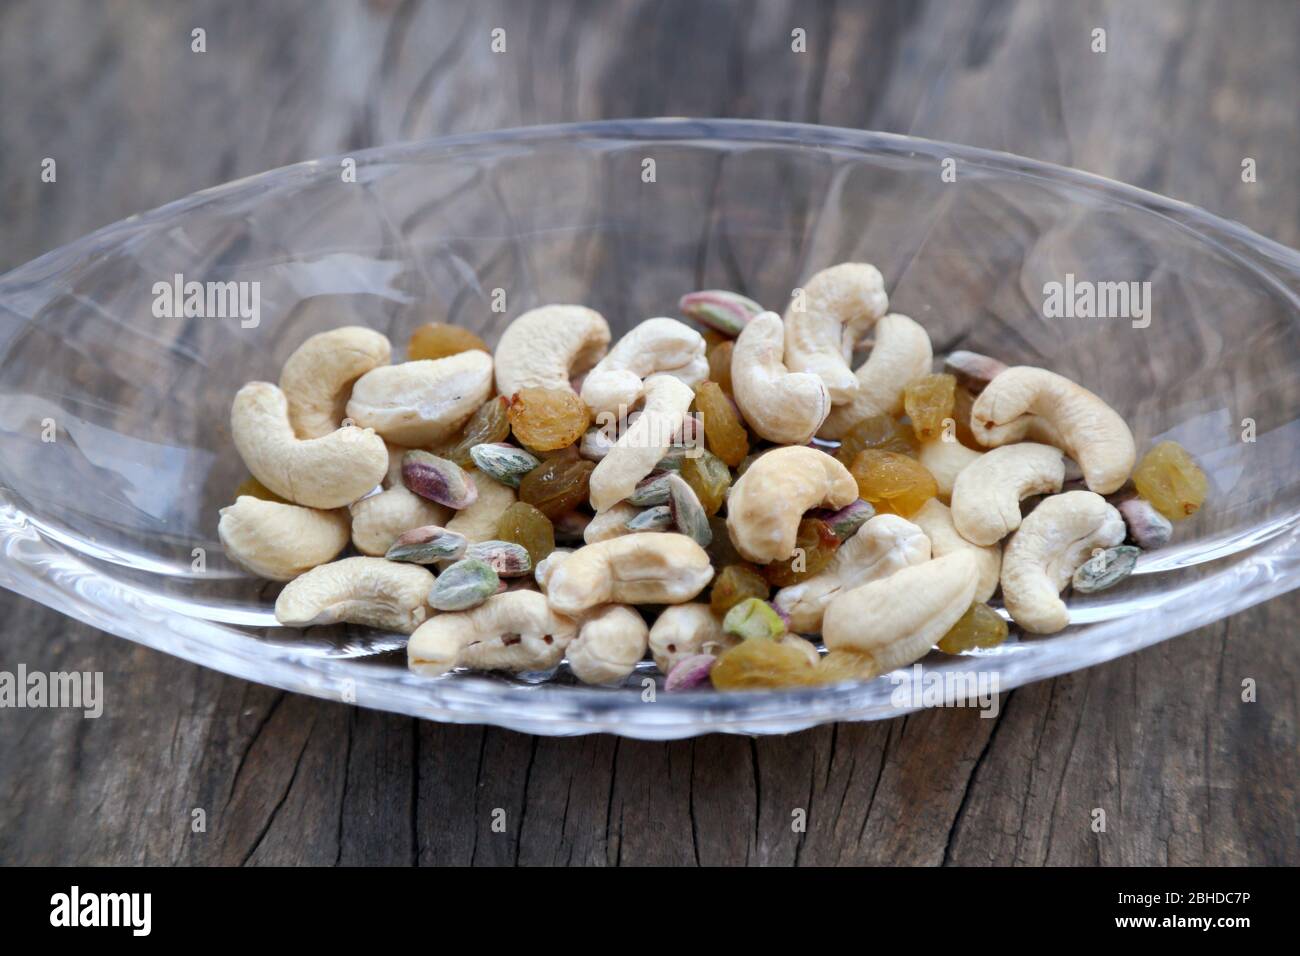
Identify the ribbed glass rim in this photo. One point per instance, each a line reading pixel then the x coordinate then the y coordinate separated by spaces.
pixel 50 573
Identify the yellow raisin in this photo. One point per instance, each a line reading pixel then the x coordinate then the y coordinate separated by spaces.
pixel 761 663
pixel 838 666
pixel 928 401
pixel 251 486
pixel 815 545
pixel 961 408
pixel 1169 478
pixel 438 340
pixel 735 583
pixel 720 364
pixel 709 478
pixel 547 419
pixel 558 485
pixel 525 525
pixel 724 432
pixel 487 425
pixel 893 483
pixel 881 432
pixel 980 626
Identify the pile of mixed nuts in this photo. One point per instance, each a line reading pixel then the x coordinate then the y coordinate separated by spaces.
pixel 720 498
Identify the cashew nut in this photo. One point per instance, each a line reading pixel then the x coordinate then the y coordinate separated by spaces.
pixel 782 406
pixel 945 460
pixel 986 496
pixel 651 568
pixel 423 402
pixel 882 546
pixel 611 523
pixel 768 501
pixel 901 355
pixel 511 631
pixel 663 346
pixel 897 620
pixel 609 645
pixel 280 541
pixel 318 376
pixel 378 520
pixel 684 630
pixel 547 347
pixel 326 472
pixel 935 519
pixel 639 449
pixel 1091 431
pixel 839 307
pixel 478 522
pixel 370 591
pixel 546 567
pixel 1053 540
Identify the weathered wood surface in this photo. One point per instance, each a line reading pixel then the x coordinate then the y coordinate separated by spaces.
pixel 1186 772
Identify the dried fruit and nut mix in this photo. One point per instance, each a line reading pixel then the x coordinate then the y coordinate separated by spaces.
pixel 721 497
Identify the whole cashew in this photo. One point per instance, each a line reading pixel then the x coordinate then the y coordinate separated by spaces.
pixel 370 591
pixel 479 521
pixel 684 630
pixel 882 546
pixel 986 496
pixel 377 520
pixel 651 568
pixel 768 501
pixel 609 645
pixel 945 460
pixel 935 519
pixel 547 347
pixel 423 402
pixel 1090 430
pixel 897 620
pixel 782 406
pixel 279 541
pixel 1039 560
pixel 661 345
pixel 611 523
pixel 639 449
pixel 317 378
pixel 546 567
pixel 839 307
pixel 511 631
pixel 901 355
pixel 326 472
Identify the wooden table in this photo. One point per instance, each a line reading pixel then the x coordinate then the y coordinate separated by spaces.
pixel 134 117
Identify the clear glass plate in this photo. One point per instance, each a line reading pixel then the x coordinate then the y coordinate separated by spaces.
pixel 103 522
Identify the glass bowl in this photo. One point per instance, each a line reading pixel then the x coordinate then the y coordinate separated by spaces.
pixel 116 444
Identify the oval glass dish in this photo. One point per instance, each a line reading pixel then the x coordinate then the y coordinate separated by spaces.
pixel 117 454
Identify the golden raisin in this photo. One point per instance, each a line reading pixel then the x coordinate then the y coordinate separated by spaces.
pixel 558 485
pixel 547 419
pixel 893 483
pixel 980 626
pixel 720 364
pixel 815 545
pixel 881 432
pixel 488 425
pixel 251 486
pixel 838 666
pixel 928 401
pixel 438 340
pixel 1169 478
pixel 963 401
pixel 761 663
pixel 525 525
pixel 724 432
pixel 735 583
pixel 708 477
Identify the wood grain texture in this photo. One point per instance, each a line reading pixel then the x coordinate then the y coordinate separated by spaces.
pixel 1186 771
